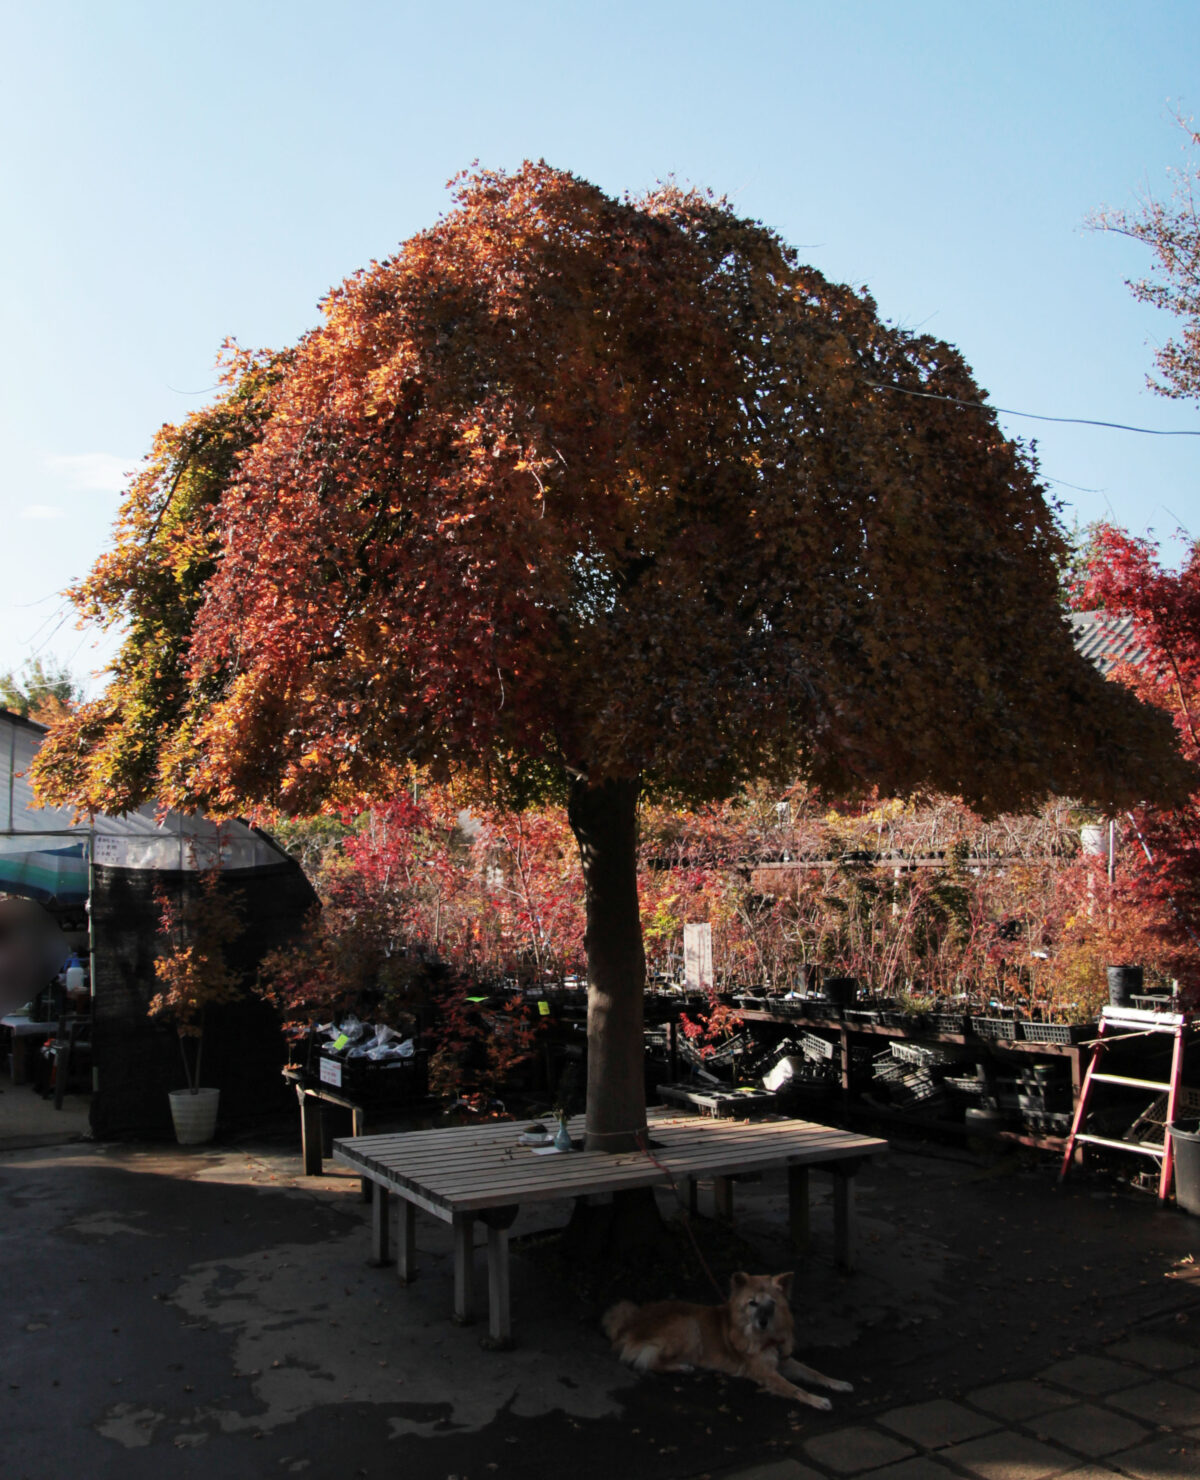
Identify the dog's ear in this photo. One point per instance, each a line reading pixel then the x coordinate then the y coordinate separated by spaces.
pixel 738 1281
pixel 784 1283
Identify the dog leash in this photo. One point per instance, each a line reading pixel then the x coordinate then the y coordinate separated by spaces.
pixel 640 1140
pixel 644 1147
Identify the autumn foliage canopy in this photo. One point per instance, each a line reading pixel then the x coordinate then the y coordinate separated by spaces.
pixel 573 486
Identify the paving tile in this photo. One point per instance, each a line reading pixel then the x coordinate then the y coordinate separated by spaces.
pixel 1178 1327
pixel 849 1451
pixel 1007 1456
pixel 934 1424
pixel 1089 1430
pixel 1164 1459
pixel 1092 1375
pixel 920 1467
pixel 1158 1352
pixel 1091 1472
pixel 1160 1402
pixel 776 1469
pixel 1191 1376
pixel 1016 1401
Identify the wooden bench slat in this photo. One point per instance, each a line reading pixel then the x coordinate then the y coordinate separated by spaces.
pixel 398 1154
pixel 499 1182
pixel 668 1145
pixel 457 1184
pixel 416 1151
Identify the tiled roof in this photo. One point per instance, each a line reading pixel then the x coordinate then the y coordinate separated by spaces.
pixel 1106 639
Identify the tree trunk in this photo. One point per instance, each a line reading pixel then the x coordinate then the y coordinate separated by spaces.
pixel 604 821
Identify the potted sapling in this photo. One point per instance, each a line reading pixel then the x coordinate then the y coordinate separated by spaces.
pixel 194 976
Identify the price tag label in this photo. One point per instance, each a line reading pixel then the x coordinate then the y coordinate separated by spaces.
pixel 340 1042
pixel 544 1009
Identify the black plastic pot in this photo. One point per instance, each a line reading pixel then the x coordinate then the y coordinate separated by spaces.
pixel 841 990
pixel 1124 982
pixel 1185 1143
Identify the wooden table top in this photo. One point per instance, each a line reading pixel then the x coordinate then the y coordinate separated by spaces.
pixel 469 1168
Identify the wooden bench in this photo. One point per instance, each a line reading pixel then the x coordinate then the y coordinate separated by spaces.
pixel 484 1172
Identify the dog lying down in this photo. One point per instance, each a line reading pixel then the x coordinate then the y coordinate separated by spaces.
pixel 750 1335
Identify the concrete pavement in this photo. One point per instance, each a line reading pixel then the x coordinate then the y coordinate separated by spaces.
pixel 210 1312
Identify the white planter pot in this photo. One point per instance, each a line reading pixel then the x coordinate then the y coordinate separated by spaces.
pixel 195 1115
pixel 1093 839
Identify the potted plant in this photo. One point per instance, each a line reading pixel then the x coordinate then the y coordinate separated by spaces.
pixel 194 976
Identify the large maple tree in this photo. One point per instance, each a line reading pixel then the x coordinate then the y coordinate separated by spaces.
pixel 604 497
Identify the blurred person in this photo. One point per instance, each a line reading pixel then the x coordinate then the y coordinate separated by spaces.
pixel 33 950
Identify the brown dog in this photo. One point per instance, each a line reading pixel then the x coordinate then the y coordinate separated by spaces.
pixel 749 1336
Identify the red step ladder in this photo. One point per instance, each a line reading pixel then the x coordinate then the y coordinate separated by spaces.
pixel 1119 1025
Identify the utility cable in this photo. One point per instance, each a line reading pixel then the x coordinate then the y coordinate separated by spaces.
pixel 1083 421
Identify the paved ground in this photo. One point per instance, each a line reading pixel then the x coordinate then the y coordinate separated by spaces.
pixel 211 1313
pixel 26 1119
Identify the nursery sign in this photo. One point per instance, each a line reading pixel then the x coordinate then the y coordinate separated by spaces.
pixel 697 957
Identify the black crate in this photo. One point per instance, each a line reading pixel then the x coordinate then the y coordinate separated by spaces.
pixel 947 1022
pixel 392 1082
pixel 1007 1029
pixel 1056 1032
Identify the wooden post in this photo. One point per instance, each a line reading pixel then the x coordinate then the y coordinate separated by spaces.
pixel 844 1035
pixel 464 1269
pixel 798 1206
pixel 406 1243
pixel 310 1131
pixel 379 1227
pixel 723 1198
pixel 693 1195
pixel 499 1310
pixel 844 1231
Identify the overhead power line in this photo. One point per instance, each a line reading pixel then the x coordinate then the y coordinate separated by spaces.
pixel 1083 421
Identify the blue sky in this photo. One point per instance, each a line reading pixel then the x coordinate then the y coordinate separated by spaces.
pixel 175 174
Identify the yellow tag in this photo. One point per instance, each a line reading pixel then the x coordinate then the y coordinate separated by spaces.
pixel 544 1009
pixel 340 1042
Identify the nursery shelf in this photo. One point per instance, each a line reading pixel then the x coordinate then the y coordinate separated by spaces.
pixel 923 1035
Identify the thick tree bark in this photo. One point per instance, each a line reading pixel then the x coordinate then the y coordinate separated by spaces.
pixel 604 821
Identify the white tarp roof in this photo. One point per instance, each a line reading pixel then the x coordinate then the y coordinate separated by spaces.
pixel 136 840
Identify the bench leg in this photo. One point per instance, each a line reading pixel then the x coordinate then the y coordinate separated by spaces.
pixel 379 1227
pixel 406 1248
pixel 358 1127
pixel 844 1231
pixel 693 1196
pixel 798 1206
pixel 464 1269
pixel 723 1198
pixel 499 1337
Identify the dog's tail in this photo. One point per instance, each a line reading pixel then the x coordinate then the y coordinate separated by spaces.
pixel 617 1318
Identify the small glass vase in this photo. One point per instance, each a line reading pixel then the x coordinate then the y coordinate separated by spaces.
pixel 563 1139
